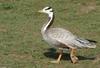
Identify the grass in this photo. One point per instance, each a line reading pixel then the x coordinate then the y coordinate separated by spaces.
pixel 21 44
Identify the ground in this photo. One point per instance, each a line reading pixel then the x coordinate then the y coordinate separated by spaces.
pixel 21 43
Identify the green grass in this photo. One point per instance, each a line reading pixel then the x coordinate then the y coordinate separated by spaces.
pixel 21 44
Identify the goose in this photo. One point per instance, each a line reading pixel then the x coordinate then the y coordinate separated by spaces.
pixel 61 38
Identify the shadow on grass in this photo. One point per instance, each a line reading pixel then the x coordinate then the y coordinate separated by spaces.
pixel 53 54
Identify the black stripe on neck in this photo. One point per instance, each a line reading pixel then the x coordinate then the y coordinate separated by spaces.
pixel 51 22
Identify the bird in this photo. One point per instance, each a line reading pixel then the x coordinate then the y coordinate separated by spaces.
pixel 61 38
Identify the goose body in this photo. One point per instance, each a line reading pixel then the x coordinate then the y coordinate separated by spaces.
pixel 59 37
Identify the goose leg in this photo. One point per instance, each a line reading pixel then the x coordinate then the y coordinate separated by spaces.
pixel 74 59
pixel 59 57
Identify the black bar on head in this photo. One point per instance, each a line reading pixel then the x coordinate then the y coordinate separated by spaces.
pixel 48 8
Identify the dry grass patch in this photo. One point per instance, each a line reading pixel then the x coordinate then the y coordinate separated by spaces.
pixel 86 7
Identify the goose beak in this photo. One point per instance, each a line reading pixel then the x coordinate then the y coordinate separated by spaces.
pixel 40 11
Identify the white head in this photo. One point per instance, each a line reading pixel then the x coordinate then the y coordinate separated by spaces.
pixel 47 10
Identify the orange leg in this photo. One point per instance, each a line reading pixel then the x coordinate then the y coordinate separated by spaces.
pixel 74 59
pixel 59 57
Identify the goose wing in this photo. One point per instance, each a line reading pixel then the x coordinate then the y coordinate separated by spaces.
pixel 66 37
